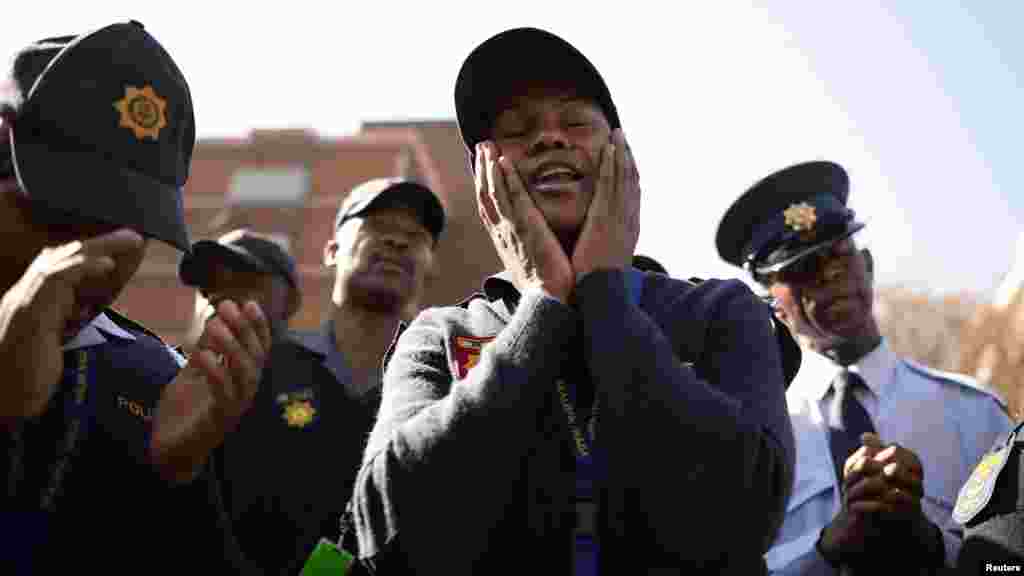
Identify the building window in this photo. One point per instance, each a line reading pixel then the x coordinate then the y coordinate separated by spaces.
pixel 264 186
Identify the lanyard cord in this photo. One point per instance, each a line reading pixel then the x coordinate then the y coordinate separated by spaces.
pixel 66 449
pixel 635 286
pixel 579 438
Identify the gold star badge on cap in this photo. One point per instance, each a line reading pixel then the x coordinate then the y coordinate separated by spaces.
pixel 142 111
pixel 800 217
pixel 299 413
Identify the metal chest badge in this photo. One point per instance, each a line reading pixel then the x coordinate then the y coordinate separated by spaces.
pixel 142 111
pixel 466 353
pixel 298 410
pixel 978 489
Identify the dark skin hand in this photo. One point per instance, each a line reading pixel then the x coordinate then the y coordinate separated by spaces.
pixel 880 482
pixel 525 242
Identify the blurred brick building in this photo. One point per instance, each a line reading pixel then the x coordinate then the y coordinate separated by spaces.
pixel 289 183
pixel 929 328
pixel 993 349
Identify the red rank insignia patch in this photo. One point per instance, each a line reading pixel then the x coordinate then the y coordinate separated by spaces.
pixel 466 353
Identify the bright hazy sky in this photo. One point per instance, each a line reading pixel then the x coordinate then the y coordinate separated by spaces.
pixel 921 101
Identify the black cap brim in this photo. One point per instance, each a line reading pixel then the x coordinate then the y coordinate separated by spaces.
pixel 851 228
pixel 195 268
pixel 407 193
pixel 86 185
pixel 514 55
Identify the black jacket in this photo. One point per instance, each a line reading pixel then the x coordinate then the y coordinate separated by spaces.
pixel 284 476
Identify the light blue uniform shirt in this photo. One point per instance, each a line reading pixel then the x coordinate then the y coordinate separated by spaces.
pixel 948 420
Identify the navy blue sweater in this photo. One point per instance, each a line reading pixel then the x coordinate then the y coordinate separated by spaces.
pixel 476 474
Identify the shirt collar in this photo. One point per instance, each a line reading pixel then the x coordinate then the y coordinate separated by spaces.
pixel 323 345
pixel 500 286
pixel 92 334
pixel 500 289
pixel 877 368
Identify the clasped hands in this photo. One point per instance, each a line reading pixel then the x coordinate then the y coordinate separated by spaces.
pixel 882 484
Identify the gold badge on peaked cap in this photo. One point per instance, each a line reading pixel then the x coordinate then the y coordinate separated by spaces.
pixel 142 111
pixel 800 217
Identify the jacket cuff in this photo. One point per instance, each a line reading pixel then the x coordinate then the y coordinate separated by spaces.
pixel 597 290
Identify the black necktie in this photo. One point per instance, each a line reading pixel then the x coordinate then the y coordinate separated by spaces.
pixel 847 419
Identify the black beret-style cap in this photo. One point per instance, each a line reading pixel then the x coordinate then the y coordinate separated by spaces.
pixel 106 133
pixel 495 66
pixel 240 249
pixel 786 216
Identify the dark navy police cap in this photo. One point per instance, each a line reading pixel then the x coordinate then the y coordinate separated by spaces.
pixel 242 249
pixel 382 192
pixel 105 132
pixel 495 66
pixel 786 216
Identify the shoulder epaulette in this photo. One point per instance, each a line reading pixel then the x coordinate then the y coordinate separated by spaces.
pixel 176 352
pixel 131 325
pixel 953 378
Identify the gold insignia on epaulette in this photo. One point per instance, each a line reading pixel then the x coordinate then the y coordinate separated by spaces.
pixel 142 111
pixel 977 491
pixel 800 217
pixel 299 413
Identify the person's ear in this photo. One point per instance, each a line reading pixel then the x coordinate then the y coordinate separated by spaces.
pixel 331 253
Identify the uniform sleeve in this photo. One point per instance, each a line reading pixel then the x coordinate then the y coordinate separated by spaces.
pixel 442 450
pixel 688 448
pixel 160 373
pixel 795 552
